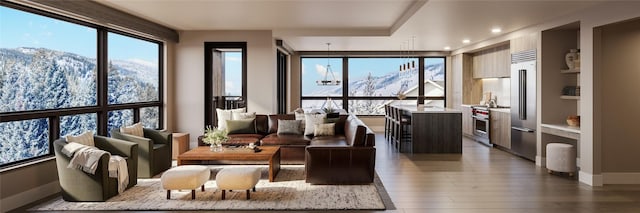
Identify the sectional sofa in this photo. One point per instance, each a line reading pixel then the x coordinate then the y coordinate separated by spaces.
pixel 348 157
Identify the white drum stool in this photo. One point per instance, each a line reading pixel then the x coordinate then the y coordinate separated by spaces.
pixel 561 157
pixel 237 179
pixel 188 177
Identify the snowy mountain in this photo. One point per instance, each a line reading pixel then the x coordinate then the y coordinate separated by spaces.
pixel 386 85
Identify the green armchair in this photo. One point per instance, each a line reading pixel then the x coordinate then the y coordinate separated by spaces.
pixel 154 150
pixel 81 186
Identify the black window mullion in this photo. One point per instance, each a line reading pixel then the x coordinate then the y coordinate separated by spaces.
pixel 161 85
pixel 345 83
pixel 102 84
pixel 421 80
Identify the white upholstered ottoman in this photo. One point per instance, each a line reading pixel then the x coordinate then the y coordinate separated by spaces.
pixel 237 179
pixel 561 157
pixel 188 177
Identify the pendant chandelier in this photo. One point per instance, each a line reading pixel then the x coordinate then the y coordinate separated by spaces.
pixel 326 81
pixel 409 65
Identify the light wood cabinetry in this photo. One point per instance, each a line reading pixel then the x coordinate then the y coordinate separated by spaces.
pixel 467 121
pixel 494 62
pixel 527 42
pixel 500 128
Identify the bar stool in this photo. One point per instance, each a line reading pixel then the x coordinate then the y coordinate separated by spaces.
pixel 387 122
pixel 402 131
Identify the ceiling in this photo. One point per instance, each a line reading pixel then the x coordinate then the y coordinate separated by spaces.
pixel 356 25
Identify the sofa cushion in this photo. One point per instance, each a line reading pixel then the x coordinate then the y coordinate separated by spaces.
pixel 242 115
pixel 262 124
pixel 336 140
pixel 289 127
pixel 225 114
pixel 247 126
pixel 135 129
pixel 325 129
pixel 273 121
pixel 85 138
pixel 310 122
pixel 275 139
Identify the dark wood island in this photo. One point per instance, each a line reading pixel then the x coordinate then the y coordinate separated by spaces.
pixel 434 129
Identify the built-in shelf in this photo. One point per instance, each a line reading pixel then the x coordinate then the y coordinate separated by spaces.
pixel 561 130
pixel 570 71
pixel 570 97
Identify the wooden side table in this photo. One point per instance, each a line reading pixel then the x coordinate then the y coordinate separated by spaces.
pixel 180 144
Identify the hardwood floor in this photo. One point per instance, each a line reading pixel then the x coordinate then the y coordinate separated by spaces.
pixel 485 179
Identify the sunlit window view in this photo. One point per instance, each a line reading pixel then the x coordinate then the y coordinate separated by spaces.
pixel 50 64
pixel 372 83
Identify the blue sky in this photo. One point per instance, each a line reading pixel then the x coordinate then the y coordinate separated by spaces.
pixel 233 73
pixel 22 29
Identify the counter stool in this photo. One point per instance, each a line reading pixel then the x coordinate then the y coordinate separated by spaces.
pixel 561 157
pixel 387 123
pixel 402 132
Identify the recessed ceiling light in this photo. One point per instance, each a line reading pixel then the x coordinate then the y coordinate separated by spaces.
pixel 447 48
pixel 466 41
pixel 496 30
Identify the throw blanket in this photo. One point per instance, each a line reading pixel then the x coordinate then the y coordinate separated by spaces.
pixel 118 168
pixel 86 159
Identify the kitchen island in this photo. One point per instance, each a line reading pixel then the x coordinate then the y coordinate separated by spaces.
pixel 434 129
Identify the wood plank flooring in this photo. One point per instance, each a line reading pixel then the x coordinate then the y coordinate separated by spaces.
pixel 484 179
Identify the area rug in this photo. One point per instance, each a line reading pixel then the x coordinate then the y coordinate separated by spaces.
pixel 288 192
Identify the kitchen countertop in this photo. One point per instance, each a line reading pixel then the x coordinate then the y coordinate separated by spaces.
pixel 426 109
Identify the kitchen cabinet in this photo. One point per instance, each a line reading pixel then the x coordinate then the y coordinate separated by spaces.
pixel 492 63
pixel 500 128
pixel 467 121
pixel 527 42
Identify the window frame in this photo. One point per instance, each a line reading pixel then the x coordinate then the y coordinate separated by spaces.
pixel 345 79
pixel 102 107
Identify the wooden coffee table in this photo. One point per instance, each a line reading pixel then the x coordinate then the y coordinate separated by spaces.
pixel 202 153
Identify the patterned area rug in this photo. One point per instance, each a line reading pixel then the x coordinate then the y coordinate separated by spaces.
pixel 289 192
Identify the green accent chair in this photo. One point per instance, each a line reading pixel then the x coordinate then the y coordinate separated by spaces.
pixel 79 186
pixel 154 150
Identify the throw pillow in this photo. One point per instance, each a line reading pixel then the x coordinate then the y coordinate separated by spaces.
pixel 289 127
pixel 246 126
pixel 325 129
pixel 300 116
pixel 242 115
pixel 310 122
pixel 135 129
pixel 85 138
pixel 225 114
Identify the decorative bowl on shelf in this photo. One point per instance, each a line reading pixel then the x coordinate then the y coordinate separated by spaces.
pixel 573 120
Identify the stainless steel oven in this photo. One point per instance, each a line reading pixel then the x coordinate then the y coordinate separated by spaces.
pixel 481 126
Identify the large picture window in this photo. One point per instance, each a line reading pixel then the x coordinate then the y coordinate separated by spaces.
pixel 52 78
pixel 373 82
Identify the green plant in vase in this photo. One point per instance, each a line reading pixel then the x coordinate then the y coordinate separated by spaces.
pixel 215 138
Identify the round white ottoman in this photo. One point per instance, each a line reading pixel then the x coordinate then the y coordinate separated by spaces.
pixel 237 179
pixel 561 157
pixel 188 177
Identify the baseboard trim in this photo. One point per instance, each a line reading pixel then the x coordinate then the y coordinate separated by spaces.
pixel 590 179
pixel 621 178
pixel 541 161
pixel 29 196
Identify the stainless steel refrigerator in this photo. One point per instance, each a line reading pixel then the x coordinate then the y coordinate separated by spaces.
pixel 523 104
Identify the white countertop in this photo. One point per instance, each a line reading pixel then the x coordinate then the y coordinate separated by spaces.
pixel 426 109
pixel 562 127
pixel 507 110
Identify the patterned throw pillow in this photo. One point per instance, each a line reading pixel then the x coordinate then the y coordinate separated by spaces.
pixel 289 127
pixel 225 114
pixel 310 122
pixel 325 129
pixel 135 129
pixel 85 138
pixel 300 116
pixel 246 126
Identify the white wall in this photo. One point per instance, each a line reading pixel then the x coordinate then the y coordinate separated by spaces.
pixel 189 75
